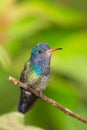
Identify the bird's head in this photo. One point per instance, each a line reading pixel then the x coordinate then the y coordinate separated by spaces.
pixel 42 50
pixel 41 55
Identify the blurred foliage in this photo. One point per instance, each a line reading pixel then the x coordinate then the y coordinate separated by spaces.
pixel 7 122
pixel 24 23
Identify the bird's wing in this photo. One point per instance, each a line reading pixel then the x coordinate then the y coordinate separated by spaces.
pixel 23 77
pixel 29 76
pixel 27 99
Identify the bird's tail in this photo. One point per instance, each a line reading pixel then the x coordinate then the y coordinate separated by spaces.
pixel 27 100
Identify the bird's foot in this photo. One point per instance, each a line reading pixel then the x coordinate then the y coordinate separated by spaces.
pixel 40 94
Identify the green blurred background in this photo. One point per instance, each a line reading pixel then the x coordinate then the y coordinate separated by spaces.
pixel 60 23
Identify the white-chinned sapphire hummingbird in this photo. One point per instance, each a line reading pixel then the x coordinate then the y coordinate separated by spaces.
pixel 35 74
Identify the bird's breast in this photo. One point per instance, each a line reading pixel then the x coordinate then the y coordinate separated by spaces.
pixel 37 82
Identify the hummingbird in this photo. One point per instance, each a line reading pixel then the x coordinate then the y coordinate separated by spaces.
pixel 35 74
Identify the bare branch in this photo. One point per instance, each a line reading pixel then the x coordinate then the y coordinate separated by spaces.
pixel 47 99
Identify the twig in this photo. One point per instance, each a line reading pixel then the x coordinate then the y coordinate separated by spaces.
pixel 47 99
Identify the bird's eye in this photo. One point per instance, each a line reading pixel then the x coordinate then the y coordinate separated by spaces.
pixel 40 51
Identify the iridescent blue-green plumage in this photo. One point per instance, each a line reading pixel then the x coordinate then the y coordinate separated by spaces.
pixel 35 75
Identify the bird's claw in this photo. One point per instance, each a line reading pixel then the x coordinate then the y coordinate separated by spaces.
pixel 40 94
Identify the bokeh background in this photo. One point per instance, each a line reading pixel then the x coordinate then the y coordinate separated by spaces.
pixel 60 23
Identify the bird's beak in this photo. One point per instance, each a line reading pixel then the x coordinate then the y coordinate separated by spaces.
pixel 52 50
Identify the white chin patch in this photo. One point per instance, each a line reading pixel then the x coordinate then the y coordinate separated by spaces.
pixel 49 54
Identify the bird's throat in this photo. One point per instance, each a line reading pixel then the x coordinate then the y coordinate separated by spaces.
pixel 36 69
